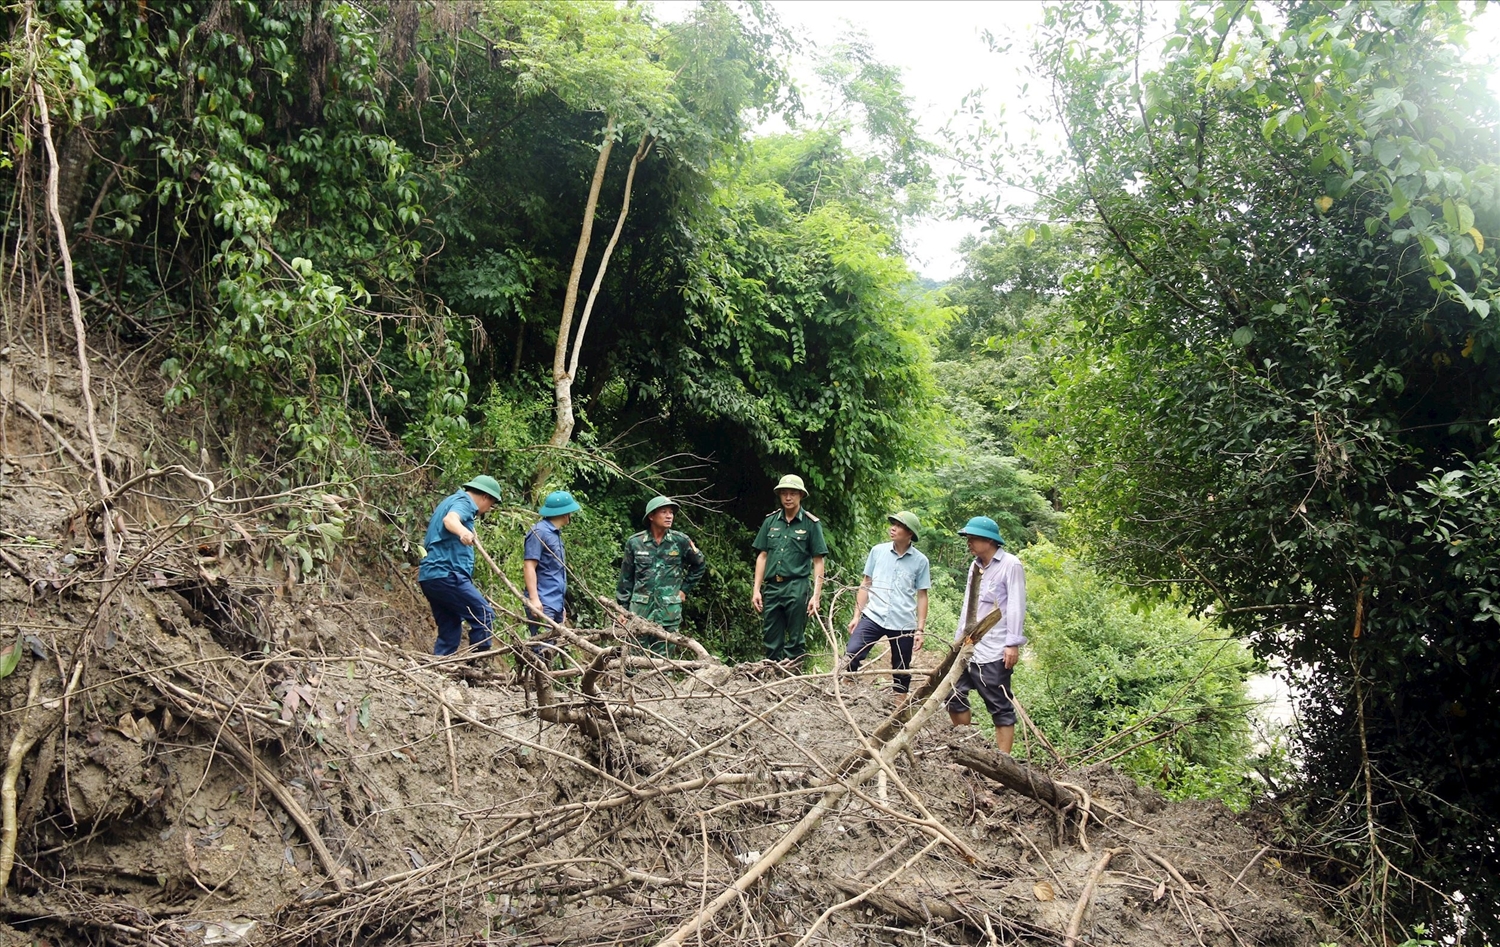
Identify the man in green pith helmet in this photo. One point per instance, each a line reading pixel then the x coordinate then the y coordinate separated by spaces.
pixel 447 571
pixel 660 567
pixel 788 573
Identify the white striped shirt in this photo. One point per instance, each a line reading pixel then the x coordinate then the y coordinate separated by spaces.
pixel 1002 585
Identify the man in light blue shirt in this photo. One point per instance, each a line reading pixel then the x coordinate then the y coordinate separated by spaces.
pixel 892 602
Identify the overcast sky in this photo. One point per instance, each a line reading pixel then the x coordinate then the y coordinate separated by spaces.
pixel 939 47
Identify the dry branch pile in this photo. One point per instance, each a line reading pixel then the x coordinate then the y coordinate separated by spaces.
pixel 205 751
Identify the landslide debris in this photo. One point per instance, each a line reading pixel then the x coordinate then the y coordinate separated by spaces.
pixel 230 742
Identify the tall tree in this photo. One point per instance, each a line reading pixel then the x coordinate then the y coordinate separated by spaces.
pixel 1281 390
pixel 683 90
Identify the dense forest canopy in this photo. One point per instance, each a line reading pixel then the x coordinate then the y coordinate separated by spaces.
pixel 1277 387
pixel 1238 356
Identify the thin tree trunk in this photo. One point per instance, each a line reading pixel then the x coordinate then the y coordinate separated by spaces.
pixel 80 334
pixel 609 249
pixel 565 369
pixel 562 382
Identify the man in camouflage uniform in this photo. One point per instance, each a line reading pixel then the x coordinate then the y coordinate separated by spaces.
pixel 660 567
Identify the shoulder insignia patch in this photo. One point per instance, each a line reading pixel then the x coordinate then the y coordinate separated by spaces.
pixel 772 513
pixel 810 516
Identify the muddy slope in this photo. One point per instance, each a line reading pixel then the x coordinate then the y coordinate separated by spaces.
pixel 217 745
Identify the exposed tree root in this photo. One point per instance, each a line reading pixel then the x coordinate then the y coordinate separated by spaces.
pixel 20 745
pixel 1075 924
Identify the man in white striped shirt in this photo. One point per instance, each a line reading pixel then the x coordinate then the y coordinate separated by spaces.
pixel 997 580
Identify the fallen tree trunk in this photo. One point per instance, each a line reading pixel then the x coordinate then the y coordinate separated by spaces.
pixel 954 663
pixel 1015 776
pixel 951 906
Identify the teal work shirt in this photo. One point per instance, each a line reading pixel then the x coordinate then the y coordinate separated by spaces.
pixel 790 547
pixel 445 554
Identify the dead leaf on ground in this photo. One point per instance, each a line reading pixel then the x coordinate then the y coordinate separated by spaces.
pixel 1043 891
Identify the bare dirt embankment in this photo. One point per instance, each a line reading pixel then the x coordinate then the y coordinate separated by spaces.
pixel 213 747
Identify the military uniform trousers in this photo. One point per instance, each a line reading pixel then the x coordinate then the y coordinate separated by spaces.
pixel 783 617
pixel 665 609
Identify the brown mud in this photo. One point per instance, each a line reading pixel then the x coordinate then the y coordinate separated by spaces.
pixel 239 739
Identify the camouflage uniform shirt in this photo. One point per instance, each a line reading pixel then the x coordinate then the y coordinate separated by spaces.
pixel 653 574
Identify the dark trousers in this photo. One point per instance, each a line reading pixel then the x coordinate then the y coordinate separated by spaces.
pixel 992 681
pixel 864 637
pixel 551 650
pixel 783 618
pixel 455 600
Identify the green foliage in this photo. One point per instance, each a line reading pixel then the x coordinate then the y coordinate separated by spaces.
pixel 503 440
pixel 996 346
pixel 799 330
pixel 260 216
pixel 1144 684
pixel 977 481
pixel 594 56
pixel 1279 383
pixel 717 612
pixel 10 657
pixel 890 178
pixel 1007 282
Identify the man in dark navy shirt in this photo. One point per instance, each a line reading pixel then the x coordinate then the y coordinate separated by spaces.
pixel 545 565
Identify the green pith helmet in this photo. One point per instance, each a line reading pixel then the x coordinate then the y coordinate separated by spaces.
pixel 791 482
pixel 656 504
pixel 984 528
pixel 909 520
pixel 558 503
pixel 485 484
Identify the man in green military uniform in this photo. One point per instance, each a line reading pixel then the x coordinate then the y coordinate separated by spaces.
pixel 790 567
pixel 660 567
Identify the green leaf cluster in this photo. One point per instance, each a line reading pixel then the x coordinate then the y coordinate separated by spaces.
pixel 255 217
pixel 800 331
pixel 1145 685
pixel 1277 388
